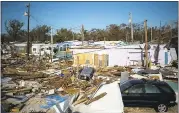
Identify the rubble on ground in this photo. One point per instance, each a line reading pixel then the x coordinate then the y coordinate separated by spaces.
pixel 27 84
pixel 23 81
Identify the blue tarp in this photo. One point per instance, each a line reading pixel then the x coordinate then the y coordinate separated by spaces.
pixel 52 100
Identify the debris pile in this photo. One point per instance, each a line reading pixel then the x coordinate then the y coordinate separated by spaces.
pixel 111 71
pixel 37 85
pixel 22 81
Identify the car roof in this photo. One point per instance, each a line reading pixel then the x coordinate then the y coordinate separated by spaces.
pixel 145 81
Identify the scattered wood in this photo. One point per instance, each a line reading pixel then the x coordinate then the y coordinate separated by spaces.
pixel 96 98
pixel 17 108
pixel 71 91
pixel 15 91
pixel 80 101
pixel 32 70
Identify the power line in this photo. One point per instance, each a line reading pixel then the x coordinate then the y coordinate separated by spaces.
pixel 141 24
pixel 57 27
pixel 41 21
pixel 77 28
pixel 36 19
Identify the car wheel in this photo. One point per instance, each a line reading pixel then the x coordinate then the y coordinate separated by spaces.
pixel 161 108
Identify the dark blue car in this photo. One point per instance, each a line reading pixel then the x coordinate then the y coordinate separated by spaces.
pixel 148 93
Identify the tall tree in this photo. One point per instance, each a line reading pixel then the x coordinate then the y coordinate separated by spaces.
pixel 40 33
pixel 63 34
pixel 5 38
pixel 23 36
pixel 45 30
pixel 115 33
pixel 13 28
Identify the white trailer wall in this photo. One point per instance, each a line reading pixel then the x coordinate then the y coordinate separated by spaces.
pixel 121 56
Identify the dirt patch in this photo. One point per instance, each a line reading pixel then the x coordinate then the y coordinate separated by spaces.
pixel 148 110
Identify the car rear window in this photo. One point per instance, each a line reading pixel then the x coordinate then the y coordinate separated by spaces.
pixel 151 89
pixel 166 89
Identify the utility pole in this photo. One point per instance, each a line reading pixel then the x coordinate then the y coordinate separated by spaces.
pixel 142 34
pixel 82 32
pixel 40 53
pixel 151 34
pixel 171 26
pixel 160 33
pixel 126 34
pixel 146 44
pixel 28 21
pixel 51 44
pixel 130 21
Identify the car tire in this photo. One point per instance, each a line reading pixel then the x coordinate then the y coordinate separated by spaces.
pixel 161 108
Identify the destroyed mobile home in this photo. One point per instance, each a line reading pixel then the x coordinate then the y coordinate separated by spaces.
pixel 37 85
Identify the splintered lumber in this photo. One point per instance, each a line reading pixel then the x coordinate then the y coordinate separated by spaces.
pixel 17 108
pixel 96 98
pixel 80 101
pixel 90 91
pixel 92 95
pixel 25 90
pixel 154 77
pixel 71 90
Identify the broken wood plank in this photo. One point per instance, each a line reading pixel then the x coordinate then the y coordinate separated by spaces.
pixel 89 92
pixel 80 101
pixel 25 90
pixel 92 95
pixel 17 108
pixel 96 98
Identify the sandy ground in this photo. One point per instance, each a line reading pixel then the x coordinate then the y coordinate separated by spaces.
pixel 148 110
